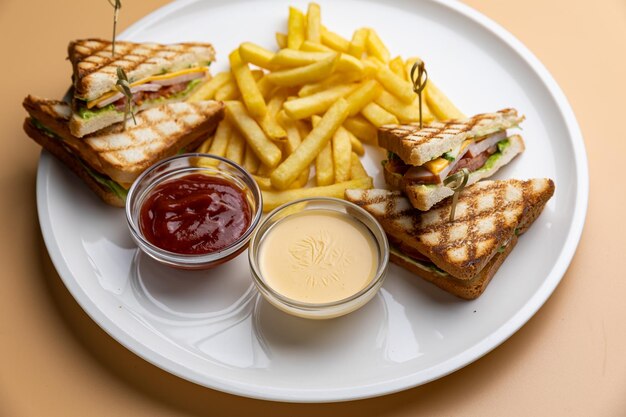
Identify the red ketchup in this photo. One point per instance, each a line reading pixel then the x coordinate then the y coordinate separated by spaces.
pixel 194 214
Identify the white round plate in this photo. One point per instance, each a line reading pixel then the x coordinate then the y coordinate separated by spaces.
pixel 214 329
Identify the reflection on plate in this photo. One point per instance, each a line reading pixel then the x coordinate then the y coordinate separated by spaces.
pixel 213 328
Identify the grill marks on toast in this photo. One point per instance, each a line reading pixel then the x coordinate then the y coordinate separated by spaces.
pixel 487 215
pixel 412 135
pixel 92 57
pixel 157 129
pixel 160 132
pixel 417 146
pixel 56 110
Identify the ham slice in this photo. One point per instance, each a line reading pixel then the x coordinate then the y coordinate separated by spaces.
pixel 473 157
pixel 473 163
pixel 479 147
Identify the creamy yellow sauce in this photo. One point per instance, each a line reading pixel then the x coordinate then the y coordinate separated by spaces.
pixel 318 256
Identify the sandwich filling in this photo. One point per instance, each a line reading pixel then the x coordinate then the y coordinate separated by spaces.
pixel 418 262
pixel 148 91
pixel 474 154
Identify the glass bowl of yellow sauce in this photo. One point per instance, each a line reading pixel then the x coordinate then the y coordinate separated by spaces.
pixel 319 258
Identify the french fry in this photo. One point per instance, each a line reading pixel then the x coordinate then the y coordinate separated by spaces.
pixel 378 116
pixel 262 146
pixel 293 133
pixel 396 65
pixel 303 127
pixel 370 67
pixel 256 55
pixel 264 171
pixel 236 147
pixel 335 79
pixel 308 46
pixel 205 146
pixel 342 148
pixel 357 146
pixel 405 113
pixel 363 95
pixel 257 74
pixel 375 47
pixel 207 90
pixel 222 136
pixel 441 105
pixel 250 161
pixel 219 144
pixel 268 122
pixel 395 85
pixel 313 23
pixel 304 154
pixel 356 168
pixel 228 91
pixel 306 74
pixel 281 40
pixel 252 97
pixel 301 180
pixel 324 172
pixel 357 45
pixel 295 28
pixel 273 199
pixel 317 103
pixel 264 183
pixel 297 58
pixel 348 63
pixel 265 87
pixel 362 129
pixel 334 41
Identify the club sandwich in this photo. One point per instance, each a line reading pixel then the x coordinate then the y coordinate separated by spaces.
pixel 111 159
pixel 157 74
pixel 420 159
pixel 459 256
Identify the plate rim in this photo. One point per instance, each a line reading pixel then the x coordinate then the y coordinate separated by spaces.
pixel 475 352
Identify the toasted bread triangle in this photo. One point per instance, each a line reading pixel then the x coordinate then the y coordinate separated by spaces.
pixel 95 69
pixel 416 146
pixel 487 216
pixel 122 155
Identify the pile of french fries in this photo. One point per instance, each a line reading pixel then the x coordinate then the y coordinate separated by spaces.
pixel 313 103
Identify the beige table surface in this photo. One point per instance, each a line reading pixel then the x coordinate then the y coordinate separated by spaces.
pixel 569 360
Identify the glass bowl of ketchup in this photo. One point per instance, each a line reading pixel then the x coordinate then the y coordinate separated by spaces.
pixel 193 211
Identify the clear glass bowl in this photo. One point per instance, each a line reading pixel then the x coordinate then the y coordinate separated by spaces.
pixel 180 166
pixel 320 310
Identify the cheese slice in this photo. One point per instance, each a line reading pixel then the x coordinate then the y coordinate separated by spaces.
pixel 161 77
pixel 437 165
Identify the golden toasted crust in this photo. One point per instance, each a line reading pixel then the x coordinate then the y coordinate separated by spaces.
pixel 487 215
pixel 55 114
pixel 466 289
pixel 95 69
pixel 416 146
pixel 56 148
pixel 122 155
